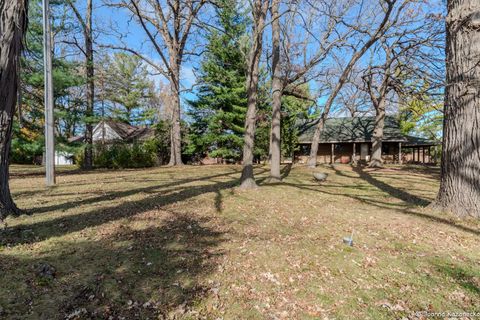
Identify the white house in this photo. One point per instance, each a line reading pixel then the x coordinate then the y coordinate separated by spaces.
pixel 109 131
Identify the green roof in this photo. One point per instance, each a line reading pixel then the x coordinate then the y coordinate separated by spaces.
pixel 358 129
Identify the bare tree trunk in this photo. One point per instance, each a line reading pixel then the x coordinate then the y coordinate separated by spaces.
pixel 176 130
pixel 88 163
pixel 13 24
pixel 377 161
pixel 247 179
pixel 175 133
pixel 378 98
pixel 277 91
pixel 312 159
pixel 460 183
pixel 259 10
pixel 90 77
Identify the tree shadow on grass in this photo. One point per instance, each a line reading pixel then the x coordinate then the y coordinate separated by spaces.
pixel 430 171
pixel 40 172
pixel 157 197
pixel 43 230
pixel 155 270
pixel 285 172
pixel 126 193
pixel 135 273
pixel 468 279
pixel 372 200
pixel 392 191
pixel 219 201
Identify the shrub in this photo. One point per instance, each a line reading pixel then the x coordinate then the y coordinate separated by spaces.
pixel 79 156
pixel 120 155
pixel 143 155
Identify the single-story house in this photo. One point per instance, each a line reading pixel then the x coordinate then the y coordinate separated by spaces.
pixel 345 139
pixel 110 131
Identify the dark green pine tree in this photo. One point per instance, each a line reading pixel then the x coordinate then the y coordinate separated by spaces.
pixel 28 131
pixel 218 113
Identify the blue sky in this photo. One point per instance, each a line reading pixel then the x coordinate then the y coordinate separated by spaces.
pixel 134 37
pixel 118 22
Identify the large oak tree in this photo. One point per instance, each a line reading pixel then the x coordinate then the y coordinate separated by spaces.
pixel 460 176
pixel 167 24
pixel 259 12
pixel 391 10
pixel 13 24
pixel 304 35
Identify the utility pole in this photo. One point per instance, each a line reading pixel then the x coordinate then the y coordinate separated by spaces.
pixel 49 122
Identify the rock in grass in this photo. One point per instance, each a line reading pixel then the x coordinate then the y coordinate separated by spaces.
pixel 45 271
pixel 320 176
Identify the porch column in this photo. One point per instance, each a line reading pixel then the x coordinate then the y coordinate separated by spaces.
pixel 354 157
pixel 423 154
pixel 418 153
pixel 399 153
pixel 332 154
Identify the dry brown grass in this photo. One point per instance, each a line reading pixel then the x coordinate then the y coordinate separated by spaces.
pixel 185 243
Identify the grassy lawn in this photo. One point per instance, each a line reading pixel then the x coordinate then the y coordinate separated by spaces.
pixel 169 243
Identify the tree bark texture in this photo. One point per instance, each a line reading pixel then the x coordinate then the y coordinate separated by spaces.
pixel 379 99
pixel 376 161
pixel 175 133
pixel 176 130
pixel 460 174
pixel 88 163
pixel 13 24
pixel 260 8
pixel 277 91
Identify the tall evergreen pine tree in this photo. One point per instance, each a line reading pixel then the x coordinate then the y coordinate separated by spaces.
pixel 219 111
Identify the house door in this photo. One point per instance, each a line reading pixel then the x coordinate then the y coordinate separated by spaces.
pixel 364 152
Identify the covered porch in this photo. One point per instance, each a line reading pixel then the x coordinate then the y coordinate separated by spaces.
pixel 360 152
pixel 349 140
